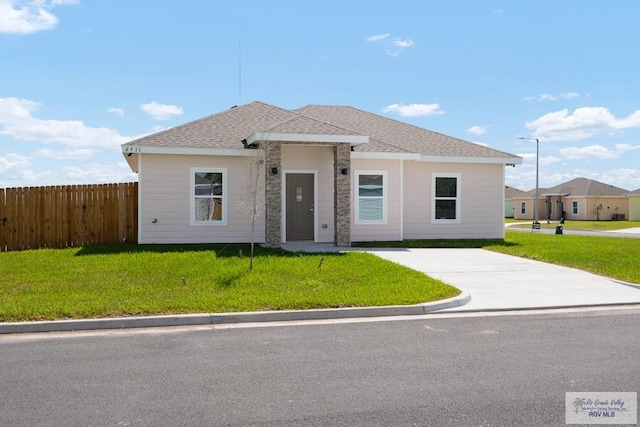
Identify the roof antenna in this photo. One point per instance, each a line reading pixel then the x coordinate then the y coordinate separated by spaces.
pixel 239 72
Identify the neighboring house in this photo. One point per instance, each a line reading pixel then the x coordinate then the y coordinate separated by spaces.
pixel 509 205
pixel 326 174
pixel 634 205
pixel 578 199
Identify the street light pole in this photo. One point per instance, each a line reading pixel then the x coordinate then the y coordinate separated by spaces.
pixel 535 206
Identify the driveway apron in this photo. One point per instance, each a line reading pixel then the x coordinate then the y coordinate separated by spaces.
pixel 497 281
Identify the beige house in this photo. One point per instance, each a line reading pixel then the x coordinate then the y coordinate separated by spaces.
pixel 634 205
pixel 318 173
pixel 578 199
pixel 509 205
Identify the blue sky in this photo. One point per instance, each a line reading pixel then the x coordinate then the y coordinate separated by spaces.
pixel 80 77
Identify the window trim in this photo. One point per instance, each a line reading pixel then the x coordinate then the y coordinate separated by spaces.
pixel 356 192
pixel 457 198
pixel 523 208
pixel 192 197
pixel 574 207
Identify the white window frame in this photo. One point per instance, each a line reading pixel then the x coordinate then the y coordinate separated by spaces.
pixel 457 198
pixel 192 197
pixel 574 207
pixel 356 192
pixel 523 208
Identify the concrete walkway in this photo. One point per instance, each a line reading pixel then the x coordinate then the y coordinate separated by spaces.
pixel 497 281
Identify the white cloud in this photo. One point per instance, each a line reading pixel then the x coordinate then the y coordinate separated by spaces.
pixel 591 152
pixel 570 95
pixel 626 147
pixel 413 110
pixel 378 37
pixel 583 123
pixel 530 159
pixel 393 46
pixel 478 130
pixel 161 111
pixel 13 162
pixel 597 152
pixel 551 97
pixel 28 16
pixel 81 153
pixel 398 42
pixel 99 173
pixel 17 121
pixel 116 111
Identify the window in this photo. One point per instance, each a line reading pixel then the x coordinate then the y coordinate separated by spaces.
pixel 371 200
pixel 575 208
pixel 208 196
pixel 523 208
pixel 446 198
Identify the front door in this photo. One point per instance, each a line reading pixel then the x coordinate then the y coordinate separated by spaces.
pixel 299 206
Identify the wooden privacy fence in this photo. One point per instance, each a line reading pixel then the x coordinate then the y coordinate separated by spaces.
pixel 68 216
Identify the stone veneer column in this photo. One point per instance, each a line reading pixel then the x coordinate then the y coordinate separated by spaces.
pixel 273 196
pixel 342 195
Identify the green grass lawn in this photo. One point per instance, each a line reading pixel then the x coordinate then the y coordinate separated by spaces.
pixel 128 280
pixel 578 225
pixel 615 257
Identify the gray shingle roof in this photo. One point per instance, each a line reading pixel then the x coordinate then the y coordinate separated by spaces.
pixel 401 136
pixel 581 187
pixel 511 192
pixel 229 128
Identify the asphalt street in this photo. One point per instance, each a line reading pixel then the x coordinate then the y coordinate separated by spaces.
pixel 435 370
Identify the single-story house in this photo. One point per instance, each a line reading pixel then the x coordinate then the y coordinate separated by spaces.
pixel 509 206
pixel 578 199
pixel 634 205
pixel 319 173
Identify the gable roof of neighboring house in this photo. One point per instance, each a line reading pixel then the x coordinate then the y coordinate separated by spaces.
pixel 634 193
pixel 580 187
pixel 512 192
pixel 228 130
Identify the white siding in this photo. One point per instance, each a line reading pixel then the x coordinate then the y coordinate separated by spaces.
pixel 481 198
pixel 318 159
pixel 390 231
pixel 165 196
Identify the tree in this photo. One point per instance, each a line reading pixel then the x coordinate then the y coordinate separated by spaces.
pixel 254 201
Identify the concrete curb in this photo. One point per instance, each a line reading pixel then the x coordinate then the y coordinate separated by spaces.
pixel 220 318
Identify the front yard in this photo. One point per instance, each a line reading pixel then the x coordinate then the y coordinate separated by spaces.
pixel 128 280
pixel 135 280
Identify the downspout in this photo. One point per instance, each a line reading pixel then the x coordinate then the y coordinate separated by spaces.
pixel 401 200
pixel 139 198
pixel 504 234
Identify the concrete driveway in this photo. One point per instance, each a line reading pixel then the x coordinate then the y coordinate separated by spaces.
pixel 497 281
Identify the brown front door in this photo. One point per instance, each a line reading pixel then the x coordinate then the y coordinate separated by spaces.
pixel 299 206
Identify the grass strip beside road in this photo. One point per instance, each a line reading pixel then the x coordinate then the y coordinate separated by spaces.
pixel 137 280
pixel 576 225
pixel 615 257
